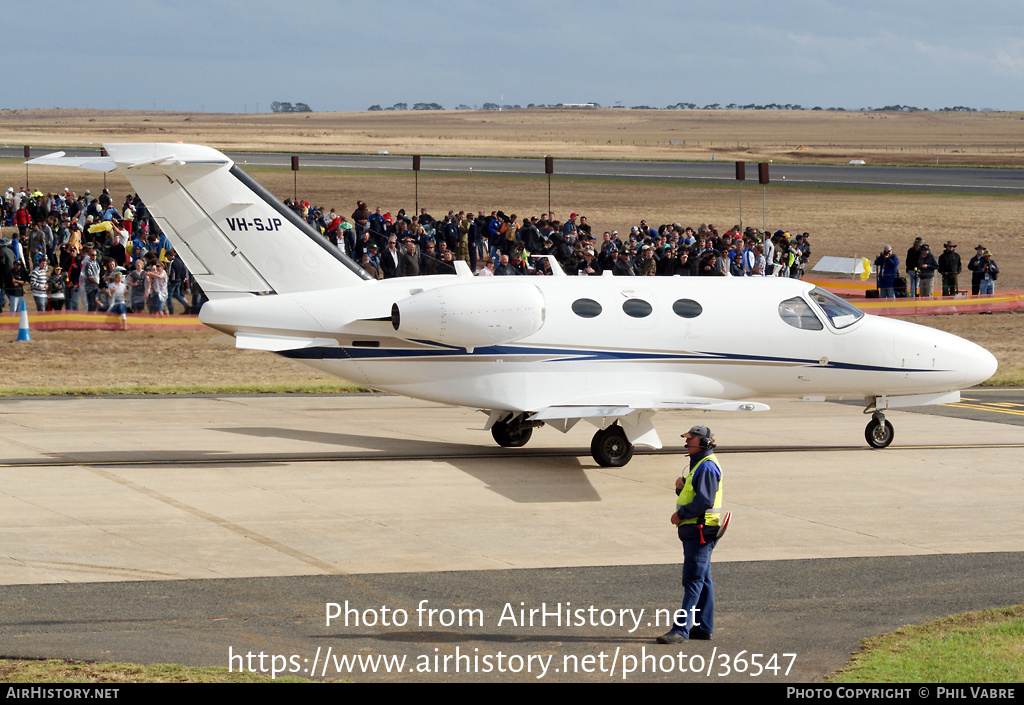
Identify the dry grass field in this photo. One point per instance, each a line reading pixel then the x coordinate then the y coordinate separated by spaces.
pixel 841 221
pixel 91 361
pixel 946 139
pixel 86 362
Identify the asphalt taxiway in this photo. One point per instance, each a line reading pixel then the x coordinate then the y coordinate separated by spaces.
pixel 979 180
pixel 175 529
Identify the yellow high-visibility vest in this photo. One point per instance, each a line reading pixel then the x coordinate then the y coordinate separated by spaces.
pixel 687 494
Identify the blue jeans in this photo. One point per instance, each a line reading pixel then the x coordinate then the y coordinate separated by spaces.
pixel 987 287
pixel 174 294
pixel 698 590
pixel 913 279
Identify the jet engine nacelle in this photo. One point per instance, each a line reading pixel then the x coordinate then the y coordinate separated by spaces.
pixel 471 315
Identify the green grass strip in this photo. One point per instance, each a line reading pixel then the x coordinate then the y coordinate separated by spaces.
pixel 977 647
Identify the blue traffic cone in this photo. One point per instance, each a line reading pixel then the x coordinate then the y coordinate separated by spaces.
pixel 23 323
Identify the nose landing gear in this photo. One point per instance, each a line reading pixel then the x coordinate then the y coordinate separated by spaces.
pixel 879 432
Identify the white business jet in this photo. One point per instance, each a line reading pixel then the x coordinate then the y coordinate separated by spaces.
pixel 530 351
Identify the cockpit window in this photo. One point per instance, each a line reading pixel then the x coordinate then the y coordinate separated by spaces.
pixel 799 314
pixel 840 313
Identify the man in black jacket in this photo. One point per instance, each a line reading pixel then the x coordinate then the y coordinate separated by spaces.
pixel 975 266
pixel 950 268
pixel 390 259
pixel 912 263
pixel 926 268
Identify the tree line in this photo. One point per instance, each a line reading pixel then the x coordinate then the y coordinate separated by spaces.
pixel 278 107
pixel 675 106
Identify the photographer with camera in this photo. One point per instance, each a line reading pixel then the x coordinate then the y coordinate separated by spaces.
pixel 888 265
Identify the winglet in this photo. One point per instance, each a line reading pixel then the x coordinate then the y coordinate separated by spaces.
pixel 556 268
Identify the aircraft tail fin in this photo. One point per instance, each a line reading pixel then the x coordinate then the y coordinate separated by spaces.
pixel 233 234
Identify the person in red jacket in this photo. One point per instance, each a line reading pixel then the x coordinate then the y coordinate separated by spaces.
pixel 23 219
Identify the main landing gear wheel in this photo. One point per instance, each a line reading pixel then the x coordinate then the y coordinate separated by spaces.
pixel 510 433
pixel 879 432
pixel 611 448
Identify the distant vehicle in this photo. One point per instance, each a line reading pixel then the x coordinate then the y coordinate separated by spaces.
pixel 857 161
pixel 382 151
pixel 530 351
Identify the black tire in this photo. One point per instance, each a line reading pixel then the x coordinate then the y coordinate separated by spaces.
pixel 610 448
pixel 878 435
pixel 507 435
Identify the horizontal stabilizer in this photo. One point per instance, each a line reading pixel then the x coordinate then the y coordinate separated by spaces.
pixel 279 343
pixel 104 164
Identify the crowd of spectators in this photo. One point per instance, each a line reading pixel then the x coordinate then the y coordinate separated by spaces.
pixel 82 252
pixel 500 244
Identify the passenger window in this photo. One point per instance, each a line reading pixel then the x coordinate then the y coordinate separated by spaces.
pixel 636 308
pixel 798 313
pixel 687 308
pixel 586 308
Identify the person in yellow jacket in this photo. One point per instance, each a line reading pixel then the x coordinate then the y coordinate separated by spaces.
pixel 697 515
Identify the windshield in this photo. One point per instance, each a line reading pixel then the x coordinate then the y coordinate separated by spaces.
pixel 840 313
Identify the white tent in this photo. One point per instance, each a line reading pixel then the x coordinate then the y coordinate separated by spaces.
pixel 844 265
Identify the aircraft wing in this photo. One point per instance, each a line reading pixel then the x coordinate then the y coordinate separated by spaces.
pixel 636 418
pixel 279 343
pixel 702 403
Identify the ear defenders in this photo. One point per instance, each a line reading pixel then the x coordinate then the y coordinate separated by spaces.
pixel 703 433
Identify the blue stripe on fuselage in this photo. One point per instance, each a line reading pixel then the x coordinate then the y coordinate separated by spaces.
pixel 541 354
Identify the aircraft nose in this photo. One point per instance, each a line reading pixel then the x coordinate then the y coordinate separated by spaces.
pixel 974 363
pixel 955 361
pixel 981 365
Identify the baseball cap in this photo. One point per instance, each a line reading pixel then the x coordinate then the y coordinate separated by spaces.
pixel 699 432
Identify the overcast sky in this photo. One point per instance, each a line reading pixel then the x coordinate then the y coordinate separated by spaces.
pixel 232 55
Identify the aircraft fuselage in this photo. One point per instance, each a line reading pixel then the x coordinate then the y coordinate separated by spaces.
pixel 642 337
